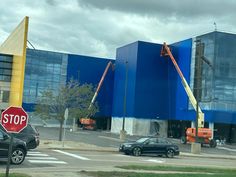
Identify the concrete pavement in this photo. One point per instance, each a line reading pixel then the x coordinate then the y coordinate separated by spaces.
pixel 80 145
pixel 72 145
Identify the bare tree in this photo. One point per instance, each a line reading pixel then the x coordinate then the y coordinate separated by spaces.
pixel 73 96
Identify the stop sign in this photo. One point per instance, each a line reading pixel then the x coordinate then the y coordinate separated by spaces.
pixel 14 119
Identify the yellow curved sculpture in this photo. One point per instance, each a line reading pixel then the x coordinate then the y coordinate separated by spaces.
pixel 16 45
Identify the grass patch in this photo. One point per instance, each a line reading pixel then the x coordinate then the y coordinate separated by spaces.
pixel 178 168
pixel 169 171
pixel 135 174
pixel 14 175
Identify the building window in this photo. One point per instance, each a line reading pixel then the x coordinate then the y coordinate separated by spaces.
pixel 4 96
pixel 5 68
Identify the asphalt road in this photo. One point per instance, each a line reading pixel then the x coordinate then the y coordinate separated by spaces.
pixel 52 162
pixel 83 160
pixel 107 139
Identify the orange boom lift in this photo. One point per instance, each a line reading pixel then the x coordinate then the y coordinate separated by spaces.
pixel 88 123
pixel 204 135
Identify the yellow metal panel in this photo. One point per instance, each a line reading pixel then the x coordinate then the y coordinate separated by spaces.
pixel 16 45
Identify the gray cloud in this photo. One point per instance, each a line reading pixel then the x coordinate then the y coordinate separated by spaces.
pixel 167 9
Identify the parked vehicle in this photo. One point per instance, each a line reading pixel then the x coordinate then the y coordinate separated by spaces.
pixel 29 134
pixel 150 145
pixel 19 149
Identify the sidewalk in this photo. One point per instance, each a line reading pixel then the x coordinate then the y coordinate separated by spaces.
pixel 71 145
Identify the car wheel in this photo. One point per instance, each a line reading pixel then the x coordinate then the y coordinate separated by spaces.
pixel 18 156
pixel 137 151
pixel 170 153
pixel 212 143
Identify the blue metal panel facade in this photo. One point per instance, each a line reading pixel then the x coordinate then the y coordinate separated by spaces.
pixel 147 89
pixel 89 70
pixel 127 53
pixel 154 88
pixel 182 53
pixel 47 70
pixel 151 91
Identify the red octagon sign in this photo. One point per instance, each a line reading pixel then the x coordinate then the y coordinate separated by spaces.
pixel 14 119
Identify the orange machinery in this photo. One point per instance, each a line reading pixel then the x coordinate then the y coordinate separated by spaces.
pixel 204 134
pixel 87 122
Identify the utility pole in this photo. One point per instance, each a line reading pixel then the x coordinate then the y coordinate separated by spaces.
pixel 197 87
pixel 123 132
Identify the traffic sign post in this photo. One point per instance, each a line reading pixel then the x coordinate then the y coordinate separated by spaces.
pixel 65 119
pixel 13 120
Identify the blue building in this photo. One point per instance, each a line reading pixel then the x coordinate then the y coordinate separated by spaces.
pixel 47 70
pixel 143 93
pixel 156 99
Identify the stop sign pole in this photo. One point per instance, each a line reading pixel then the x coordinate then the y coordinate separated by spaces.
pixel 13 120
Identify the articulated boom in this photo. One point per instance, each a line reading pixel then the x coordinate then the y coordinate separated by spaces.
pixel 166 52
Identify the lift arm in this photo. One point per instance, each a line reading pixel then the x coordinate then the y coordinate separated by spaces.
pixel 166 52
pixel 87 122
pixel 99 85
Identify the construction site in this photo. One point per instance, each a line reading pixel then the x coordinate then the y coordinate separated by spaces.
pixel 147 89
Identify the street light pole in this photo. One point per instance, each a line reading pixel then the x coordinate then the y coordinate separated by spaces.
pixel 196 146
pixel 196 137
pixel 123 132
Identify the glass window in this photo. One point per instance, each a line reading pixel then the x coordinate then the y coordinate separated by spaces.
pixel 219 78
pixel 5 96
pixel 43 68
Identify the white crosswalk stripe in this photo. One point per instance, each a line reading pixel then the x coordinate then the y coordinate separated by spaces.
pixel 47 162
pixel 41 158
pixel 37 157
pixel 72 155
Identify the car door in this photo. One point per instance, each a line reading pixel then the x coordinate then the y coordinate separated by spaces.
pixel 161 146
pixel 4 144
pixel 150 146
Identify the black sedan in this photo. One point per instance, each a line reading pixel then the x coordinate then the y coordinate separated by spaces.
pixel 29 134
pixel 150 145
pixel 19 149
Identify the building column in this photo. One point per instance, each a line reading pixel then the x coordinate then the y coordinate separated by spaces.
pixel 211 126
pixel 193 124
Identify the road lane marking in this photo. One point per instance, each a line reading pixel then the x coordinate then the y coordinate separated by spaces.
pixel 40 155
pixel 47 161
pixel 225 148
pixel 154 160
pixel 72 155
pixel 41 158
pixel 33 152
pixel 37 157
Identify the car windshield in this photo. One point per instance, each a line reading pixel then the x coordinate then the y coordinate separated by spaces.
pixel 141 140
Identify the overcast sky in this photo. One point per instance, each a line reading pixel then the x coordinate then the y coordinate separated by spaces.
pixel 98 27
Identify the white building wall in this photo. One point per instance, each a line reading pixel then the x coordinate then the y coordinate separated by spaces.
pixel 142 127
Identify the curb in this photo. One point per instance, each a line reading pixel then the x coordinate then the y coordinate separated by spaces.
pixel 81 149
pixel 182 154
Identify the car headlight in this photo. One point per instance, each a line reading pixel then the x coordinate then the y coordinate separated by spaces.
pixel 128 145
